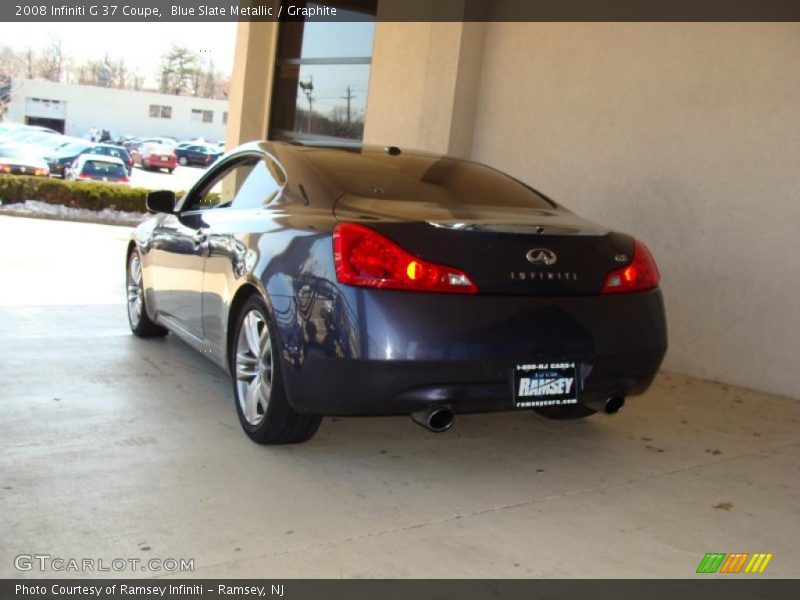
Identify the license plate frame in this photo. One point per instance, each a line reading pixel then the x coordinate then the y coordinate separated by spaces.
pixel 546 383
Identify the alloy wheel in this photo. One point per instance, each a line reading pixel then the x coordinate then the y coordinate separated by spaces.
pixel 254 367
pixel 135 290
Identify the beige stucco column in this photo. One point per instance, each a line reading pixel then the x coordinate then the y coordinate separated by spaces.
pixel 251 82
pixel 424 85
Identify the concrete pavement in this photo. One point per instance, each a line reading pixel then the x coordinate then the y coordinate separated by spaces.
pixel 116 447
pixel 178 181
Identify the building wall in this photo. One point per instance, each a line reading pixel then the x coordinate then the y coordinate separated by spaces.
pixel 424 96
pixel 686 134
pixel 251 80
pixel 125 112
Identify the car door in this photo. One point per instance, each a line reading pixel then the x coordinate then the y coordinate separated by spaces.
pixel 253 187
pixel 179 248
pixel 193 155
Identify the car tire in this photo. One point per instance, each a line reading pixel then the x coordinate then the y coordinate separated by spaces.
pixel 563 413
pixel 259 393
pixel 170 171
pixel 138 319
pixel 182 161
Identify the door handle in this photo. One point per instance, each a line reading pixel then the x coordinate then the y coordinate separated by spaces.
pixel 200 236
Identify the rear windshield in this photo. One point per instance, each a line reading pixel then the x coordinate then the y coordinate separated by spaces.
pixel 97 168
pixel 419 178
pixel 115 152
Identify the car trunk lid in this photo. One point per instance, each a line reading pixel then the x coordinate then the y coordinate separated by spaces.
pixel 504 250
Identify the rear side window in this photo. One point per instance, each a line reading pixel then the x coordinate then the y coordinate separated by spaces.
pixel 262 186
pixel 250 183
pixel 221 191
pixel 96 168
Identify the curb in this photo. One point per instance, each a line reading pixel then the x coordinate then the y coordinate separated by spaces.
pixel 74 218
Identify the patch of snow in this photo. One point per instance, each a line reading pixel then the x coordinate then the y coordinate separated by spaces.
pixel 110 216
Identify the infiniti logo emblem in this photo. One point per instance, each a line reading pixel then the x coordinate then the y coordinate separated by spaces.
pixel 541 256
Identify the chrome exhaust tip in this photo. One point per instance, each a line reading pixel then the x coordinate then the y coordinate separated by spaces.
pixel 614 404
pixel 436 418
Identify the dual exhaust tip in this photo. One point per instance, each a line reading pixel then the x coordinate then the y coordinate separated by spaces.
pixel 439 419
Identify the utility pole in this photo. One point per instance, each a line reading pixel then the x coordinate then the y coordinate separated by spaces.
pixel 348 97
pixel 308 88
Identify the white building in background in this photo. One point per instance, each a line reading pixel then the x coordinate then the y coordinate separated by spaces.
pixel 75 109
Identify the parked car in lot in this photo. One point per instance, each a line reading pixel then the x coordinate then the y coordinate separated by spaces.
pixel 30 135
pixel 6 128
pixel 156 156
pixel 22 159
pixel 17 131
pixel 197 154
pixel 115 151
pixel 98 167
pixel 61 161
pixel 130 143
pixel 62 158
pixel 164 141
pixel 375 281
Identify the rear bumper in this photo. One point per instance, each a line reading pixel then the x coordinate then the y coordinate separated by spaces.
pixel 154 161
pixel 370 352
pixel 56 168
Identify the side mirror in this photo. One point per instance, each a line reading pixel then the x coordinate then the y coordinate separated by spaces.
pixel 161 201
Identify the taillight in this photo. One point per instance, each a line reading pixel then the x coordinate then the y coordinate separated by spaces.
pixel 123 180
pixel 641 273
pixel 83 177
pixel 364 257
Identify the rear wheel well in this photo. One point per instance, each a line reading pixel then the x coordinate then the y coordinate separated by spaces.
pixel 241 296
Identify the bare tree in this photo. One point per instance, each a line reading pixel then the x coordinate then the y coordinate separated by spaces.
pixel 136 81
pixel 96 72
pixel 180 72
pixel 12 66
pixel 29 62
pixel 50 62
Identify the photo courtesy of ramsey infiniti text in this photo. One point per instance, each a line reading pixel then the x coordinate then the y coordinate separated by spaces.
pixel 376 281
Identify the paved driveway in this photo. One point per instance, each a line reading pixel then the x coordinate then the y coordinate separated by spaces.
pixel 115 447
pixel 179 180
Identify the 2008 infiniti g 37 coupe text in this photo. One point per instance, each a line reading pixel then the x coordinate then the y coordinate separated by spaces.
pixel 374 281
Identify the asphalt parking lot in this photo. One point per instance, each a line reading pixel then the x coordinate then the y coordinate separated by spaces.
pixel 181 179
pixel 114 446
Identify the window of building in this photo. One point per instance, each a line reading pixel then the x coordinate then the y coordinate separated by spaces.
pixel 158 111
pixel 225 117
pixel 322 74
pixel 202 116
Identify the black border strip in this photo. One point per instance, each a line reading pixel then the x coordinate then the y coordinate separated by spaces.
pixel 404 10
pixel 739 588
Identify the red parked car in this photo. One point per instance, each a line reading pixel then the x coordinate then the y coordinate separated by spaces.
pixel 156 156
